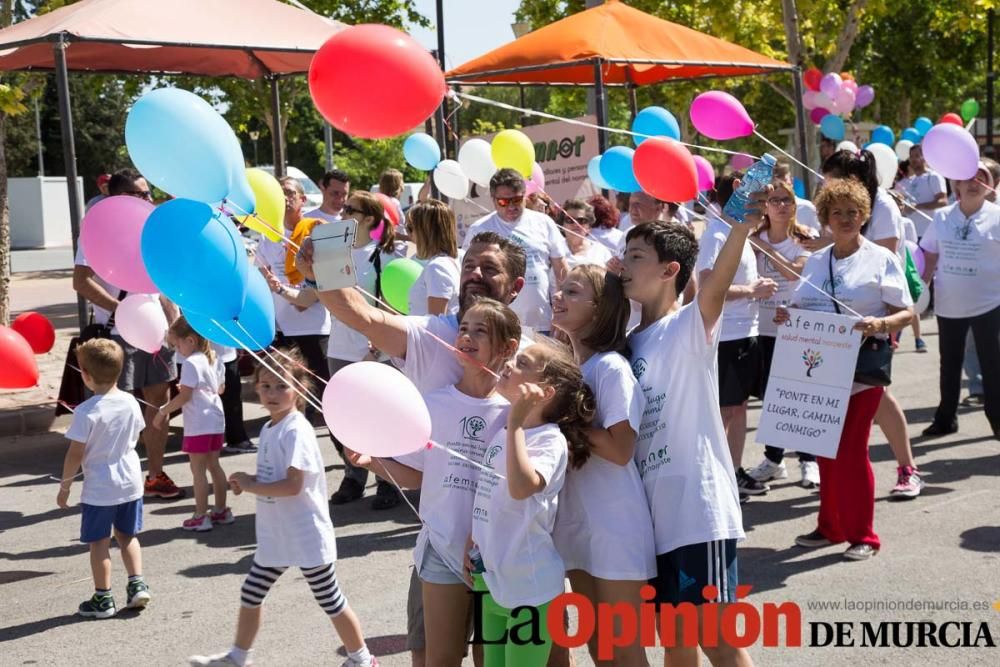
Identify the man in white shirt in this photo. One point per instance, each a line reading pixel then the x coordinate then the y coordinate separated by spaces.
pixel 336 186
pixel 644 208
pixel 541 239
pixel 805 210
pixel 926 188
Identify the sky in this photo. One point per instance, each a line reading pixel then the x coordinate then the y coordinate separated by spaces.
pixel 471 27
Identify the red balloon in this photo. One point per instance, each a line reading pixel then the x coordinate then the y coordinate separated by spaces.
pixel 812 77
pixel 37 330
pixel 18 369
pixel 952 118
pixel 666 169
pixel 373 81
pixel 816 115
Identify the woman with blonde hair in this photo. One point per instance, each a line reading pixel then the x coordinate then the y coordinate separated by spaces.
pixel 432 228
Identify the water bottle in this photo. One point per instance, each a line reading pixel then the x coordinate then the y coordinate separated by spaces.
pixel 757 177
pixel 476 559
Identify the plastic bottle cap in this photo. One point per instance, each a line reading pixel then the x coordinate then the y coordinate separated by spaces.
pixel 768 159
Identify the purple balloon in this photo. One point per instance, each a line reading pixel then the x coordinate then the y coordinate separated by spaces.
pixel 111 238
pixel 951 151
pixel 720 116
pixel 817 114
pixel 706 173
pixel 864 97
pixel 830 84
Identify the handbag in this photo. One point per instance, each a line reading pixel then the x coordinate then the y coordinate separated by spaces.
pixel 72 391
pixel 874 367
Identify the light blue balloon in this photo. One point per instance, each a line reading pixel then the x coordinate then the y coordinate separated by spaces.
pixel 594 173
pixel 883 134
pixel 616 169
pixel 922 125
pixel 421 151
pixel 655 122
pixel 832 127
pixel 257 317
pixel 180 144
pixel 911 134
pixel 799 187
pixel 241 199
pixel 196 258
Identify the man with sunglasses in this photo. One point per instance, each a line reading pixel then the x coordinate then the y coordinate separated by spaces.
pixel 538 234
pixel 150 374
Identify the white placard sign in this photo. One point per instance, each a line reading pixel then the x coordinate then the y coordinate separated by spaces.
pixel 810 383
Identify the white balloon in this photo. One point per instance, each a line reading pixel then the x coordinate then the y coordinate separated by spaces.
pixel 141 322
pixel 476 159
pixel 903 147
pixel 886 164
pixel 451 180
pixel 847 146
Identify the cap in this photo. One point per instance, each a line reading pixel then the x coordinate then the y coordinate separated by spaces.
pixel 102 179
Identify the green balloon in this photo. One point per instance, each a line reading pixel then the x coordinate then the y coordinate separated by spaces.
pixel 397 279
pixel 970 109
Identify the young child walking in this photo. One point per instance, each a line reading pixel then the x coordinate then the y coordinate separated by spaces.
pixel 103 435
pixel 198 398
pixel 293 518
pixel 515 510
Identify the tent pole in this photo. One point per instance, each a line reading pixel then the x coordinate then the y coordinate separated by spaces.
pixel 800 123
pixel 633 102
pixel 601 104
pixel 278 141
pixel 69 157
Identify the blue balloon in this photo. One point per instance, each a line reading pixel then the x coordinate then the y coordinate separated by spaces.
pixel 799 187
pixel 655 122
pixel 594 173
pixel 911 134
pixel 616 169
pixel 883 134
pixel 421 151
pixel 196 258
pixel 923 124
pixel 181 144
pixel 257 318
pixel 832 127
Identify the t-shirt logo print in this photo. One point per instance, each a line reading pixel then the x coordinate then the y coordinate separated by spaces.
pixel 491 454
pixel 472 427
pixel 962 232
pixel 829 285
pixel 638 368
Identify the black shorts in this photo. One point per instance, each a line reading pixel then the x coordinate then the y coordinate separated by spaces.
pixel 766 345
pixel 739 371
pixel 683 574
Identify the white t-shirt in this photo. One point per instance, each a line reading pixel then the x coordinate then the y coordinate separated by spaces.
pixel 346 343
pixel 791 251
pixel 293 531
pixel 613 239
pixel 314 320
pixel 603 505
pixel 542 242
pixel 466 425
pixel 101 316
pixel 439 279
pixel 203 414
pixel 682 451
pixel 805 214
pixel 886 221
pixel 108 425
pixel 923 189
pixel 625 223
pixel 515 536
pixel 967 278
pixel 322 215
pixel 739 316
pixel 594 253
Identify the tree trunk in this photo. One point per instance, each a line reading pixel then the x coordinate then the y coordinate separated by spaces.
pixel 848 34
pixel 4 228
pixel 796 56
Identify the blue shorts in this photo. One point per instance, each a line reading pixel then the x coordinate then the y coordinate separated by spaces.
pixel 98 519
pixel 434 570
pixel 682 574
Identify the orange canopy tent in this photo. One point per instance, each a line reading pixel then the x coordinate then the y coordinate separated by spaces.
pixel 616 45
pixel 247 39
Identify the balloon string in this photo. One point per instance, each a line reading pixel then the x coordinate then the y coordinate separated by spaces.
pixel 573 121
pixel 299 364
pixel 155 407
pixel 789 155
pixel 264 349
pixel 452 452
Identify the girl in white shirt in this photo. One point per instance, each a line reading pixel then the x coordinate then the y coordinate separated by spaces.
pixel 465 417
pixel 432 228
pixel 198 399
pixel 515 510
pixel 603 503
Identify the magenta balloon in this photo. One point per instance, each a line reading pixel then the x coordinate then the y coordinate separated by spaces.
pixel 706 173
pixel 817 114
pixel 864 96
pixel 951 151
pixel 111 238
pixel 720 116
pixel 740 161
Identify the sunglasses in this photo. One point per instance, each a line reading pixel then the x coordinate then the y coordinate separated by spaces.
pixel 350 210
pixel 141 194
pixel 785 201
pixel 504 202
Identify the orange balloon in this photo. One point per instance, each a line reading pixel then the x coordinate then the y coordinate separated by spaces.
pixel 847 75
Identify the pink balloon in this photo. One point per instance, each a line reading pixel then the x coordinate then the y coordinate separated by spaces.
pixel 865 96
pixel 720 116
pixel 357 400
pixel 850 84
pixel 830 84
pixel 951 151
pixel 537 181
pixel 816 115
pixel 809 99
pixel 845 100
pixel 111 240
pixel 706 173
pixel 740 161
pixel 824 101
pixel 141 322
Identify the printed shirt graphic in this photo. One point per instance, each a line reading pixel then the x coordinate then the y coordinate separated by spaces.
pixel 465 425
pixel 791 251
pixel 681 451
pixel 515 536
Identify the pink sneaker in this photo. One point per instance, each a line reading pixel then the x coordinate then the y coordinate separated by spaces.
pixel 908 483
pixel 198 523
pixel 224 518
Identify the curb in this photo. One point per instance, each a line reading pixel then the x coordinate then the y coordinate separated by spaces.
pixel 29 420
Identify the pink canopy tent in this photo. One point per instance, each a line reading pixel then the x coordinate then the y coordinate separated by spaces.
pixel 247 39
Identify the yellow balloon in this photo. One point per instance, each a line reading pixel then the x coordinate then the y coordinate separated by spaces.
pixel 513 149
pixel 269 215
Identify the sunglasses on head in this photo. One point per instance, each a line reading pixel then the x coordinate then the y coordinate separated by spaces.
pixel 509 201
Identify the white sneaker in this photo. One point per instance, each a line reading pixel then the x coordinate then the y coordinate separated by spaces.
pixel 769 470
pixel 217 660
pixel 810 474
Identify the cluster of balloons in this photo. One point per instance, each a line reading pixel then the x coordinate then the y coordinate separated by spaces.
pixel 832 93
pixel 29 334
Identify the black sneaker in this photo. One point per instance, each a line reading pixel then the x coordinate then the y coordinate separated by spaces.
pixel 245 447
pixel 386 496
pixel 97 607
pixel 935 429
pixel 138 594
pixel 748 486
pixel 813 540
pixel 349 491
